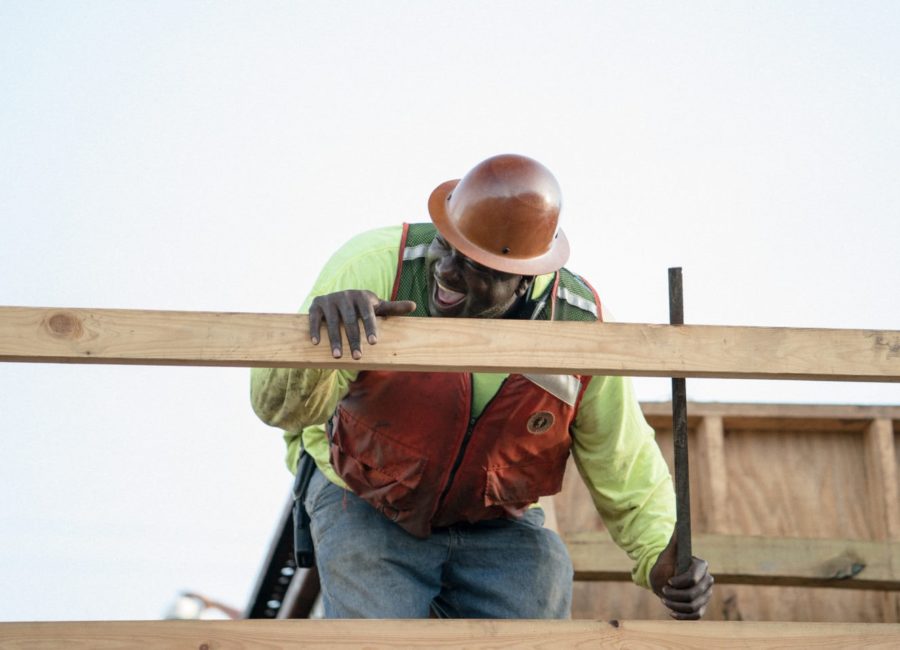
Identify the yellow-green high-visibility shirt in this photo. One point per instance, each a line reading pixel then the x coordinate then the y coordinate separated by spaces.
pixel 613 446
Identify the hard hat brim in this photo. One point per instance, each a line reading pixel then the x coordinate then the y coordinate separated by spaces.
pixel 548 262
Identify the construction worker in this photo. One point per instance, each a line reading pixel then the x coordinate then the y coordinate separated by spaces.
pixel 422 499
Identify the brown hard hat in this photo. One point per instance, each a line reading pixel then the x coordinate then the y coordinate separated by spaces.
pixel 503 214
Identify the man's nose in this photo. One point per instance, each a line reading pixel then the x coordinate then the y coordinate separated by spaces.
pixel 448 267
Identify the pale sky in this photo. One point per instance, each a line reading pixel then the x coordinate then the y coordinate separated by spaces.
pixel 211 156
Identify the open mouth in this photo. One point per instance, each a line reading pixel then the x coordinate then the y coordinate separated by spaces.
pixel 445 297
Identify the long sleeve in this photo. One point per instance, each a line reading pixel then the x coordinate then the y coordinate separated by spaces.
pixel 300 401
pixel 624 471
pixel 294 399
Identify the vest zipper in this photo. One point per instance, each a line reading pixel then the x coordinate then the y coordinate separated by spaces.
pixel 456 463
pixel 465 441
pixel 472 420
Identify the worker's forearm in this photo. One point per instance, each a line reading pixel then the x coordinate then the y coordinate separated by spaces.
pixel 624 471
pixel 292 399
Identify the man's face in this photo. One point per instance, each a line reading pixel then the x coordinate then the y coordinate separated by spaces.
pixel 460 287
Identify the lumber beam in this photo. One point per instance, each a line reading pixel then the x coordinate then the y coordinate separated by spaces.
pixel 339 634
pixel 56 335
pixel 782 412
pixel 749 560
pixel 796 418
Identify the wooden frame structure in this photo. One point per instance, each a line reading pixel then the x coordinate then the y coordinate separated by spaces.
pixel 51 335
pixel 796 508
pixel 784 561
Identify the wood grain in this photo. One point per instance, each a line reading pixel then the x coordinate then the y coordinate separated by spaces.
pixel 341 634
pixel 57 335
pixel 881 472
pixel 845 418
pixel 749 410
pixel 712 497
pixel 739 559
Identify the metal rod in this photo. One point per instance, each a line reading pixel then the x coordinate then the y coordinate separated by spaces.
pixel 679 435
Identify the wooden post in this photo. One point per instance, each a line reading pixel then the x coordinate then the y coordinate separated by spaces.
pixel 709 456
pixel 881 474
pixel 881 471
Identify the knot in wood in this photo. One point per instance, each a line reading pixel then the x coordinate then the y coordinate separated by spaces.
pixel 845 566
pixel 65 325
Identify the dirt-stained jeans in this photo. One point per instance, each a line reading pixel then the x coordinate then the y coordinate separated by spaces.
pixel 371 568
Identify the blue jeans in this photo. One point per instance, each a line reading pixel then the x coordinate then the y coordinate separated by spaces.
pixel 371 568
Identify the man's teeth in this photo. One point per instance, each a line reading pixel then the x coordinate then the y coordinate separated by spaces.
pixel 448 296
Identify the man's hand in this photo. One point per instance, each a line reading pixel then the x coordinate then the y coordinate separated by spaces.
pixel 349 307
pixel 686 594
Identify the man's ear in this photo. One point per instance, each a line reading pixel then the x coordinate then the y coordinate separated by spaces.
pixel 524 285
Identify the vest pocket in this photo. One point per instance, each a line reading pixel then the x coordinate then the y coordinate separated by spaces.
pixel 376 468
pixel 518 486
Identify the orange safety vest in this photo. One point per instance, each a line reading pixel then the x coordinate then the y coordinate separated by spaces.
pixel 407 444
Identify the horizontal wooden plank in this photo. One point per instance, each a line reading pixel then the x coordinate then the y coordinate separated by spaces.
pixel 340 634
pixel 795 418
pixel 736 410
pixel 742 559
pixel 33 334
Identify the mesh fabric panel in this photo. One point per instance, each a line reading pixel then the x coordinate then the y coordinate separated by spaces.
pixel 413 273
pixel 413 284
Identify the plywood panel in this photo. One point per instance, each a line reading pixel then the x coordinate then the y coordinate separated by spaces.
pixel 798 484
pixel 803 483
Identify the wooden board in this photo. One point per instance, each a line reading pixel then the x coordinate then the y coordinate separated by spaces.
pixel 340 634
pixel 774 417
pixel 765 411
pixel 741 559
pixel 31 334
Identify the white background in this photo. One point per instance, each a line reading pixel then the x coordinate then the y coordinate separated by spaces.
pixel 211 156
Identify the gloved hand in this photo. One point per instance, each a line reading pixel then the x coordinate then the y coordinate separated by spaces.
pixel 685 594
